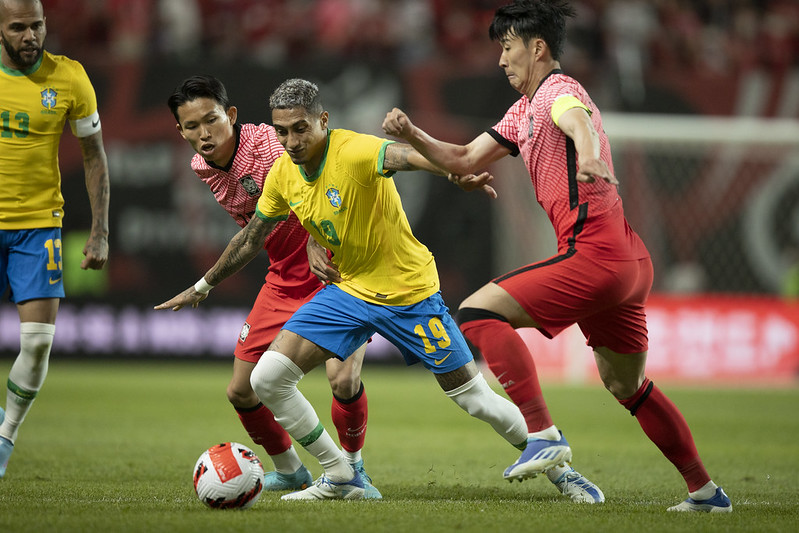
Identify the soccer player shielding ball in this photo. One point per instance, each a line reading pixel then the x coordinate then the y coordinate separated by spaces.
pixel 602 274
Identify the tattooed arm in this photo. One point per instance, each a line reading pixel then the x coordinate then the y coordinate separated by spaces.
pixel 401 156
pixel 241 249
pixel 95 166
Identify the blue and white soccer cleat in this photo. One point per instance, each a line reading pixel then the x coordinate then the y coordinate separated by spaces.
pixel 370 491
pixel 719 503
pixel 539 456
pixel 6 447
pixel 577 487
pixel 325 489
pixel 301 479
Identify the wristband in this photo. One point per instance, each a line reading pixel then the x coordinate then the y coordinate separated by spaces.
pixel 202 286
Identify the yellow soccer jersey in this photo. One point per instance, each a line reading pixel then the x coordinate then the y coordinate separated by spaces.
pixel 351 207
pixel 34 104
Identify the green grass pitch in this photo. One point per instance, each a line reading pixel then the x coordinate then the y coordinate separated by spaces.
pixel 110 446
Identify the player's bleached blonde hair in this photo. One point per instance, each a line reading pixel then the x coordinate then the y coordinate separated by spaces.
pixel 296 92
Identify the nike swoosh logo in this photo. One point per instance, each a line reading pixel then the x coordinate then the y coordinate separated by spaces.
pixel 94 124
pixel 54 281
pixel 292 204
pixel 439 361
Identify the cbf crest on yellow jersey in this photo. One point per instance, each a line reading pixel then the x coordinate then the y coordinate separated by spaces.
pixel 34 105
pixel 351 206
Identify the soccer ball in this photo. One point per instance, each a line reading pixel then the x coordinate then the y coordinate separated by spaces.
pixel 228 476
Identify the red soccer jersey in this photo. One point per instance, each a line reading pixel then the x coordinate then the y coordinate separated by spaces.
pixel 586 216
pixel 237 189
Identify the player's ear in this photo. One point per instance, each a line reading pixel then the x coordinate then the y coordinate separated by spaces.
pixel 180 130
pixel 232 114
pixel 323 119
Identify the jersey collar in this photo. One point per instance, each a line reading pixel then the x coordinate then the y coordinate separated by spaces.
pixel 27 72
pixel 226 168
pixel 551 72
pixel 315 175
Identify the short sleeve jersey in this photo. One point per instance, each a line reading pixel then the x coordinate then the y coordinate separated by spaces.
pixel 34 105
pixel 237 188
pixel 587 213
pixel 351 206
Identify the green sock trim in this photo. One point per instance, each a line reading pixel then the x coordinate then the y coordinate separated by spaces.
pixel 521 446
pixel 19 391
pixel 311 437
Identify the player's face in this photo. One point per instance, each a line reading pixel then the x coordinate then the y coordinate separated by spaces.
pixel 517 60
pixel 303 134
pixel 209 129
pixel 22 32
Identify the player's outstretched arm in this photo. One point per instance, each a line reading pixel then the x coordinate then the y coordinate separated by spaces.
pixel 241 249
pixel 454 158
pixel 400 156
pixel 95 166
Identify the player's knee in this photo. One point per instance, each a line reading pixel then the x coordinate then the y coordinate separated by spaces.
pixel 274 376
pixel 473 396
pixel 344 385
pixel 241 395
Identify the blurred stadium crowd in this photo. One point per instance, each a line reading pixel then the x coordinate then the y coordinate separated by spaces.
pixel 630 36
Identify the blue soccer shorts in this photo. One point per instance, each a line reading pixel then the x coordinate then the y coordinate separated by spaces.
pixel 424 332
pixel 30 264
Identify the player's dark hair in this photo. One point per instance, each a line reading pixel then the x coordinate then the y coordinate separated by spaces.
pixel 201 86
pixel 297 93
pixel 530 19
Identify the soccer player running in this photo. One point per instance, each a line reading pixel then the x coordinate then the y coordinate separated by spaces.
pixel 39 91
pixel 233 160
pixel 602 274
pixel 338 183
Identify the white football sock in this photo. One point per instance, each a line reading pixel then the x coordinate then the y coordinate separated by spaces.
pixel 27 374
pixel 550 433
pixel 274 379
pixel 479 400
pixel 287 462
pixel 705 493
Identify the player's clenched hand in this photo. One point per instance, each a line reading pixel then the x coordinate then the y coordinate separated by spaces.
pixel 472 182
pixel 397 124
pixel 591 169
pixel 320 264
pixel 188 297
pixel 95 252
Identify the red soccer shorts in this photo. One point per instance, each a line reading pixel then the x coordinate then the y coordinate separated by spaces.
pixel 605 298
pixel 268 314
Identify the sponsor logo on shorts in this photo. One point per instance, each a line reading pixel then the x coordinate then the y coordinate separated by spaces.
pixel 54 281
pixel 245 330
pixel 439 361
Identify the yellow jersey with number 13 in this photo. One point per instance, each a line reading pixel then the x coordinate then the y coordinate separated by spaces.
pixel 351 206
pixel 34 105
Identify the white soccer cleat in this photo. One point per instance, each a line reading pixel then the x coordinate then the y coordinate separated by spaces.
pixel 578 487
pixel 719 503
pixel 539 456
pixel 325 489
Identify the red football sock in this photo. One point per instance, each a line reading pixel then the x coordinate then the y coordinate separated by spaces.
pixel 666 427
pixel 511 362
pixel 263 429
pixel 349 417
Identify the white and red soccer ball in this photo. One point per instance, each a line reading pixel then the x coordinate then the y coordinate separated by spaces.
pixel 228 476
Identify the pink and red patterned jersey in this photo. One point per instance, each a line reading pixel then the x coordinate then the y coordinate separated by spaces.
pixel 237 189
pixel 590 214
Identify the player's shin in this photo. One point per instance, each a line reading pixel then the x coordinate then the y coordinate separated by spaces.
pixel 27 374
pixel 479 400
pixel 274 379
